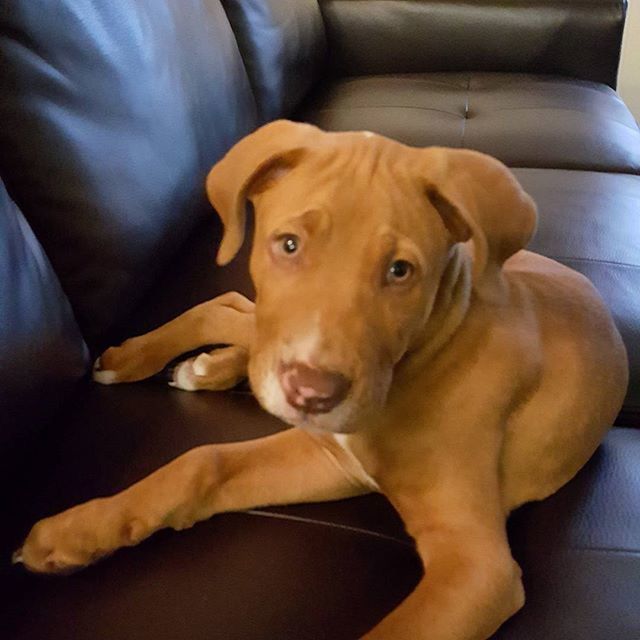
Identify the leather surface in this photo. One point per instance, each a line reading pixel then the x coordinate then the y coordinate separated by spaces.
pixel 112 113
pixel 283 47
pixel 238 577
pixel 591 222
pixel 42 354
pixel 580 552
pixel 307 571
pixel 279 573
pixel 573 38
pixel 524 120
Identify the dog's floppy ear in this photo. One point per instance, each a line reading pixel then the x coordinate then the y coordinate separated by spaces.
pixel 249 167
pixel 480 203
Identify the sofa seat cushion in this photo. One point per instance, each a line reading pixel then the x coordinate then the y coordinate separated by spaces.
pixel 269 573
pixel 580 552
pixel 524 120
pixel 302 572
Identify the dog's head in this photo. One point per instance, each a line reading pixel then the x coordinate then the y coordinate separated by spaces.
pixel 352 235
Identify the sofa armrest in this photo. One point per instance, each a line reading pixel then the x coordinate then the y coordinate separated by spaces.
pixel 576 38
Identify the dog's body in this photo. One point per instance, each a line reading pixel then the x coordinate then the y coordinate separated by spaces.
pixel 423 353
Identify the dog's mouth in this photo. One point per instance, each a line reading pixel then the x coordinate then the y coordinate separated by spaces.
pixel 273 398
pixel 308 407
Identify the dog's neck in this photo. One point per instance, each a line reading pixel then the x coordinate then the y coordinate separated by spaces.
pixel 449 308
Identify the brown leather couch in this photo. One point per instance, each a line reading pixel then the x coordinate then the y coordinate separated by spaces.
pixel 110 115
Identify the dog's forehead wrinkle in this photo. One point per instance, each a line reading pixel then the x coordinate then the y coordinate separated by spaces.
pixel 352 178
pixel 356 157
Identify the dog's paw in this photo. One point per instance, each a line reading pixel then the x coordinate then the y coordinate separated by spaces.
pixel 215 371
pixel 78 537
pixel 129 362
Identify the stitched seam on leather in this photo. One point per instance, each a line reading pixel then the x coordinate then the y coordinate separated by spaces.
pixel 530 79
pixel 402 78
pixel 618 550
pixel 538 3
pixel 333 525
pixel 568 190
pixel 596 261
pixel 387 106
pixel 633 127
pixel 564 166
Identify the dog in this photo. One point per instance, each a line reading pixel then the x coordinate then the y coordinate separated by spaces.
pixel 413 344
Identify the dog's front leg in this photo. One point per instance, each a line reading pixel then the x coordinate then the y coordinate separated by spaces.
pixel 227 319
pixel 471 583
pixel 288 467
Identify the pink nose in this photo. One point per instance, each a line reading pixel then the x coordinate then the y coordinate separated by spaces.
pixel 312 390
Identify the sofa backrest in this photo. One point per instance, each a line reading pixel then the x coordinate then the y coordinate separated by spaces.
pixel 112 113
pixel 42 353
pixel 283 46
pixel 574 38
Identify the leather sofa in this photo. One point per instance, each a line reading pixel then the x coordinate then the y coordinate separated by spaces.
pixel 111 113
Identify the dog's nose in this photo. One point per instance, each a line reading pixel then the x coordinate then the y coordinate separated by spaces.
pixel 312 390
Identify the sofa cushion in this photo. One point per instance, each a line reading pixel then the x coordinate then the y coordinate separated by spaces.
pixel 575 38
pixel 283 47
pixel 591 222
pixel 112 113
pixel 42 354
pixel 301 572
pixel 524 120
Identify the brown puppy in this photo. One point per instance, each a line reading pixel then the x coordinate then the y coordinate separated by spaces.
pixel 423 353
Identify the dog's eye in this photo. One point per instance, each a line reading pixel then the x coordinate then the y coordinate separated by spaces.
pixel 399 271
pixel 289 243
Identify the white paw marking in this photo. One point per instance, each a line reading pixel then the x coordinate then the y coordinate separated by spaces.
pixel 183 376
pixel 105 377
pixel 201 364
